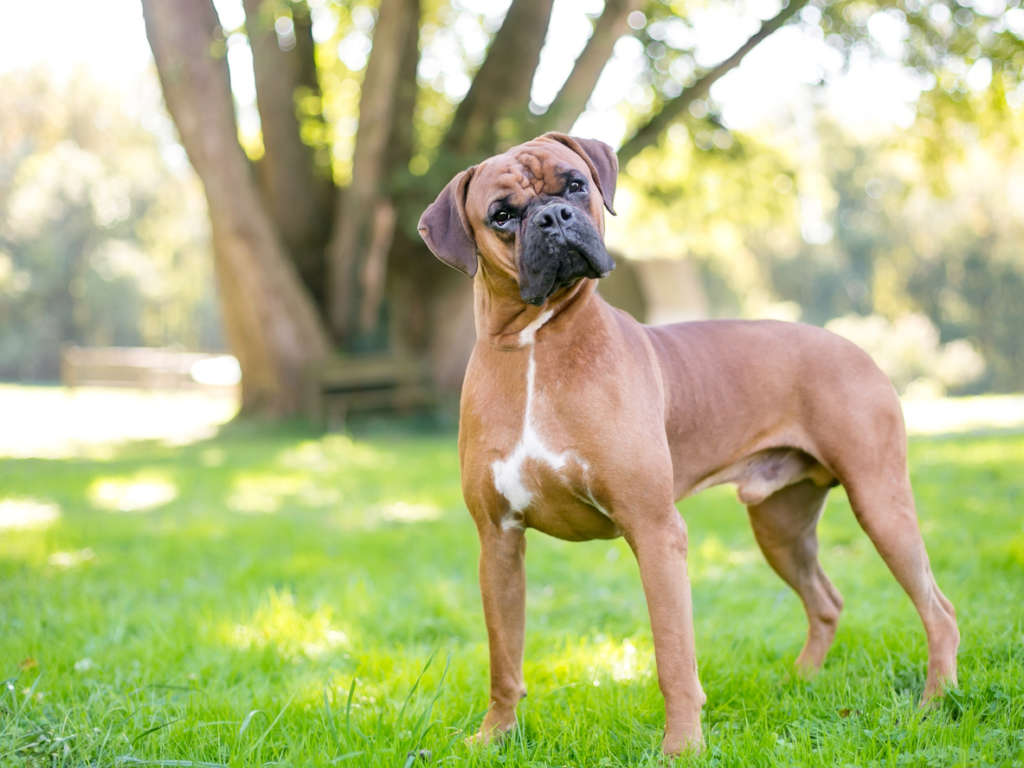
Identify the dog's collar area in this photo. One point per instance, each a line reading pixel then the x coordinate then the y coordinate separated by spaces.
pixel 519 335
pixel 521 329
pixel 529 333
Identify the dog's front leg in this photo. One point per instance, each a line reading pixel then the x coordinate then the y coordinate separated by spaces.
pixel 503 588
pixel 660 549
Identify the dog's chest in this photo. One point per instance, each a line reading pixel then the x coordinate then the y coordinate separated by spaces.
pixel 533 459
pixel 544 483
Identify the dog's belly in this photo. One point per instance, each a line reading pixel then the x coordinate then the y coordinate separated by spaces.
pixel 761 474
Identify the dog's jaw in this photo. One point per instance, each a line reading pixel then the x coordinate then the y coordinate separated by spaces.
pixel 557 255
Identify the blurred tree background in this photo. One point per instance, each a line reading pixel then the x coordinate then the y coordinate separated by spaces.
pixel 320 130
pixel 103 242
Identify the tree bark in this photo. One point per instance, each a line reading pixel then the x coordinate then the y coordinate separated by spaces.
pixel 650 131
pixel 364 227
pixel 491 116
pixel 270 321
pixel 297 189
pixel 572 98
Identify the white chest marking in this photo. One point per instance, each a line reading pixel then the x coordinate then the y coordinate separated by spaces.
pixel 527 335
pixel 508 472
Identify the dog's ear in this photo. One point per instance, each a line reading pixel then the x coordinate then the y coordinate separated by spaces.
pixel 604 165
pixel 445 229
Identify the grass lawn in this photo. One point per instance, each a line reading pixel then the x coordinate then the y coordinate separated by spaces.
pixel 277 597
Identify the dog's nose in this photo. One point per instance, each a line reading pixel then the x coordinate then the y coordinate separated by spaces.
pixel 553 214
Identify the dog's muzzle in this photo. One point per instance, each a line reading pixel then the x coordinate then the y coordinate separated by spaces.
pixel 560 246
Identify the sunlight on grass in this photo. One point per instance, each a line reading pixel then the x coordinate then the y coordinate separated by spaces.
pixel 262 494
pixel 996 453
pixel 307 475
pixel 1016 551
pixel 212 457
pixel 597 660
pixel 331 453
pixel 406 512
pixel 279 625
pixel 58 422
pixel 70 559
pixel 267 494
pixel 374 516
pixel 27 513
pixel 140 493
pixel 963 414
pixel 712 559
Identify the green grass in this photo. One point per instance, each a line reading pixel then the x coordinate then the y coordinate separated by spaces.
pixel 271 596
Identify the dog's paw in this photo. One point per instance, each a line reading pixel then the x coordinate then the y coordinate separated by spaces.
pixel 489 734
pixel 482 738
pixel 806 669
pixel 683 743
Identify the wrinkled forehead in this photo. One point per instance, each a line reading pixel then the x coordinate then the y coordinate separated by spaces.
pixel 522 173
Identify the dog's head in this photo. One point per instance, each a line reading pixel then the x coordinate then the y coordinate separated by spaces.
pixel 533 213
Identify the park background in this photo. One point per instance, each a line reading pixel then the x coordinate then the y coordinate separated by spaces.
pixel 194 573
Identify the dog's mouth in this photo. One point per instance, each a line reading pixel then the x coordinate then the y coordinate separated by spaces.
pixel 554 258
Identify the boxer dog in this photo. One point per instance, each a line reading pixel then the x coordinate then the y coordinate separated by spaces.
pixel 580 422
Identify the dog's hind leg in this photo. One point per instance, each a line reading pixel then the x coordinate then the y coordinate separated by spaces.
pixel 884 506
pixel 785 526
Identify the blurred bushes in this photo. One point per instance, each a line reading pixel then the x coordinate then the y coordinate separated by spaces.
pixel 909 351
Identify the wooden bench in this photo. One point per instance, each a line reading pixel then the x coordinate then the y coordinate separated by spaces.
pixel 344 385
pixel 143 367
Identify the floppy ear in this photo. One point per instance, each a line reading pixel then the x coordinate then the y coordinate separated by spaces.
pixel 604 165
pixel 444 228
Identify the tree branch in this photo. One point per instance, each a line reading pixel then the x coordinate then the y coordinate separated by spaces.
pixel 572 99
pixel 650 131
pixel 501 87
pixel 385 104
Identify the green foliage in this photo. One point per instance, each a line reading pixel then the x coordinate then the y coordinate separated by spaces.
pixel 909 352
pixel 971 54
pixel 101 241
pixel 294 599
pixel 715 203
pixel 835 225
pixel 340 66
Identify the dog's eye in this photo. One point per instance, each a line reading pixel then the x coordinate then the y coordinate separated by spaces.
pixel 502 217
pixel 574 186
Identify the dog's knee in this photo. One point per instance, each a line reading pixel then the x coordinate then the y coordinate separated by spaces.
pixel 827 615
pixel 674 536
pixel 828 603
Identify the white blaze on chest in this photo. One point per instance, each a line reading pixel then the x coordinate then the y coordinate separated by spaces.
pixel 509 479
pixel 529 333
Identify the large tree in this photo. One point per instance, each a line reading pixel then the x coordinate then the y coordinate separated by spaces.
pixel 306 265
pixel 303 267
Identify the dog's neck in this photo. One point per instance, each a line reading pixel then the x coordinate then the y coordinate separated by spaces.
pixel 504 321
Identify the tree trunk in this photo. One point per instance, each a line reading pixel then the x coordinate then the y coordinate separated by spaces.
pixel 290 171
pixel 433 310
pixel 365 218
pixel 270 321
